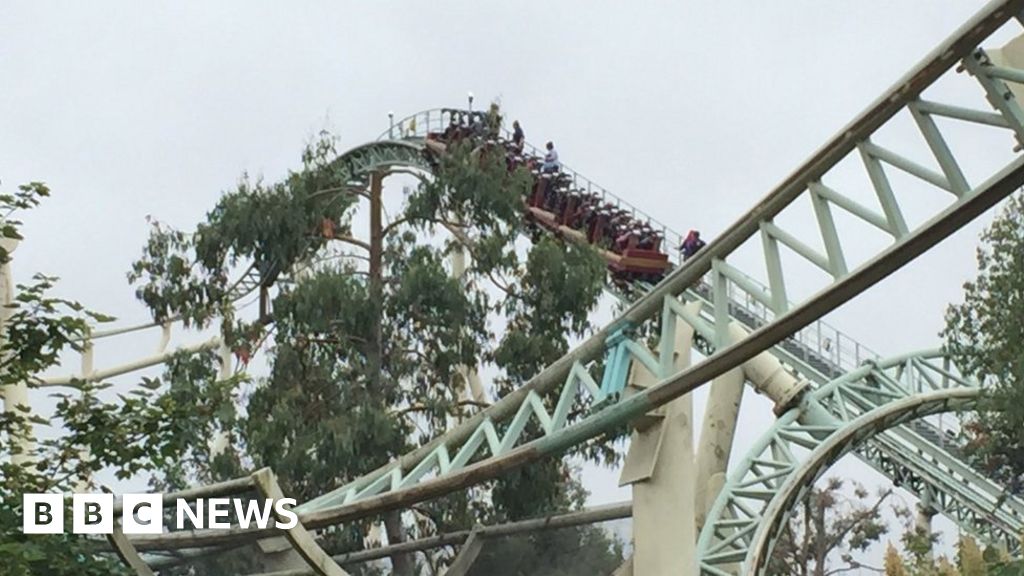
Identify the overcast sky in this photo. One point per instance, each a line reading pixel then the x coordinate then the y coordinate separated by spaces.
pixel 692 111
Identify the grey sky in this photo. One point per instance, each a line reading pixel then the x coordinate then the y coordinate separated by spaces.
pixel 692 111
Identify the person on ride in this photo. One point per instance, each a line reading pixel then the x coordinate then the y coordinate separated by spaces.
pixel 622 242
pixel 451 130
pixel 691 245
pixel 476 125
pixel 551 163
pixel 518 137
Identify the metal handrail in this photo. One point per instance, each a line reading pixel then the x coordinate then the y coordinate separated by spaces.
pixel 433 121
pixel 824 340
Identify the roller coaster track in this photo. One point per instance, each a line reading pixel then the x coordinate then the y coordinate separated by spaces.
pixel 493 442
pixel 778 468
pixel 749 503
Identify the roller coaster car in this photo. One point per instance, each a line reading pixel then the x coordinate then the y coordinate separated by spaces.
pixel 641 264
pixel 632 252
pixel 630 263
pixel 640 256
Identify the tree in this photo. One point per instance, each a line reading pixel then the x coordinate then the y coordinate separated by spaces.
pixel 368 345
pixel 565 552
pixel 971 560
pixel 831 529
pixel 124 436
pixel 829 523
pixel 985 339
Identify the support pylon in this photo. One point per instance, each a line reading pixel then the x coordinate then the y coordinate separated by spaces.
pixel 659 466
pixel 15 396
pixel 220 441
pixel 716 436
pixel 472 389
pixel 770 378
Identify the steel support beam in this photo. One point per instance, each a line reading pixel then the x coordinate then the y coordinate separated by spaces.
pixel 593 515
pixel 302 540
pixel 663 514
pixel 126 552
pixel 830 450
pixel 467 555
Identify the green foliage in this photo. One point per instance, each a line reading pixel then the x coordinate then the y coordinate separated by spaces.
pixel 271 226
pixel 55 464
pixel 366 361
pixel 984 336
pixel 829 529
pixel 556 279
pixel 971 560
pixel 155 426
pixel 28 196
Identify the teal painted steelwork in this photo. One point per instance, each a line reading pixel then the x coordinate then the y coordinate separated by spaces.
pixel 725 278
pixel 479 448
pixel 833 448
pixel 742 508
pixel 616 368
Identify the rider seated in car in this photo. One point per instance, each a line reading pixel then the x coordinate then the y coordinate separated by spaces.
pixel 551 163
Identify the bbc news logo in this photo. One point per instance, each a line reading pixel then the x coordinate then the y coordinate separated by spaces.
pixel 144 513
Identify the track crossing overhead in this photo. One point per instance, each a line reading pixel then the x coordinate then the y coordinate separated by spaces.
pixel 490 443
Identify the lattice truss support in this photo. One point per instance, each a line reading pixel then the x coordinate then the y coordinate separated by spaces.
pixel 574 400
pixel 499 438
pixel 845 409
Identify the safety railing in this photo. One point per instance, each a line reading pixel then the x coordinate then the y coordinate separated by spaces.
pixel 819 341
pixel 418 125
pixel 824 341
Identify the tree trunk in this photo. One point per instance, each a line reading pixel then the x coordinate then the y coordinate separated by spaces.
pixel 375 344
pixel 820 539
pixel 805 557
pixel 402 564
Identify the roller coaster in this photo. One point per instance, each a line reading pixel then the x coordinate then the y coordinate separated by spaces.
pixel 832 395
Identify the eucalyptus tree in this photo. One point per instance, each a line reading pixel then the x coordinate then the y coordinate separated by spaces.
pixel 369 340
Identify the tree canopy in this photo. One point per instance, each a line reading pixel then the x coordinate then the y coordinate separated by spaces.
pixel 829 530
pixel 152 427
pixel 984 336
pixel 369 340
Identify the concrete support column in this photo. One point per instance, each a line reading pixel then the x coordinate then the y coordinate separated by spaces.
pixel 85 454
pixel 22 443
pixel 219 442
pixel 660 468
pixel 923 521
pixel 15 396
pixel 769 378
pixel 716 437
pixel 473 388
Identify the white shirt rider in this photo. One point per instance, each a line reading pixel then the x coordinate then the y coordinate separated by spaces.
pixel 551 159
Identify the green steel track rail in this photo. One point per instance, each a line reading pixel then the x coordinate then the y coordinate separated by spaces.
pixel 759 488
pixel 492 442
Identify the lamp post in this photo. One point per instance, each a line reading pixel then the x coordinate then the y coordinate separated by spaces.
pixel 469 95
pixel 391 124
